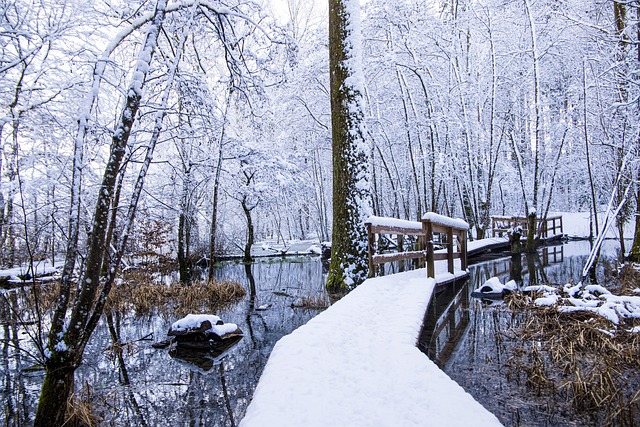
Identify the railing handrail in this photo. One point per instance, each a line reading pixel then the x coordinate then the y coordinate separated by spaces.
pixel 431 224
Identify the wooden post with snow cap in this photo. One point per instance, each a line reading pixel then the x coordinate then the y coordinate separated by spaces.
pixel 462 240
pixel 450 265
pixel 434 223
pixel 400 238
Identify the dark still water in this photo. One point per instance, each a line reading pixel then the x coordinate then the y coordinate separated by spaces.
pixel 163 390
pixel 472 339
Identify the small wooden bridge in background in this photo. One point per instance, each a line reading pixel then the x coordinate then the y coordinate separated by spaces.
pixel 433 231
pixel 548 228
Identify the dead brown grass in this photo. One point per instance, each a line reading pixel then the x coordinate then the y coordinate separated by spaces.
pixel 629 279
pixel 313 302
pixel 138 292
pixel 80 411
pixel 579 357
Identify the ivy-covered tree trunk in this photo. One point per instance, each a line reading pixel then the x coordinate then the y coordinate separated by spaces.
pixel 351 201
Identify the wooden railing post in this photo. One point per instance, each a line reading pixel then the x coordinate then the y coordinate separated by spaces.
pixel 463 249
pixel 400 239
pixel 371 250
pixel 450 266
pixel 428 236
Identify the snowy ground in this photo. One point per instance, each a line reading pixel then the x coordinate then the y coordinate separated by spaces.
pixel 357 364
pixel 279 248
pixel 576 224
pixel 18 275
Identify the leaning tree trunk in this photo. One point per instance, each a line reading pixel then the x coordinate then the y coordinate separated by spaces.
pixel 351 200
pixel 66 346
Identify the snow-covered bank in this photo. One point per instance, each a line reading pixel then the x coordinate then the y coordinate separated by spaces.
pixel 357 364
pixel 19 275
pixel 576 225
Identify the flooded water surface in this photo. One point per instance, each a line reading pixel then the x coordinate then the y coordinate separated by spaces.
pixel 473 340
pixel 153 387
pixel 138 385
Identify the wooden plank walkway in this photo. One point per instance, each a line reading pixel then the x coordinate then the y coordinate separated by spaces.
pixel 357 364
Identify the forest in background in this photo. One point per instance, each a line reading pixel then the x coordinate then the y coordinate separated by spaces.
pixel 472 108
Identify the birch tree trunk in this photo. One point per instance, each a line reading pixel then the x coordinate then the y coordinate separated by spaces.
pixel 351 200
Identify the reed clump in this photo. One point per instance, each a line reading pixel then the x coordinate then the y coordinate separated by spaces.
pixel 580 357
pixel 139 292
pixel 312 302
pixel 80 410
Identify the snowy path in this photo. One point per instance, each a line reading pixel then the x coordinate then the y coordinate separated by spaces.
pixel 357 364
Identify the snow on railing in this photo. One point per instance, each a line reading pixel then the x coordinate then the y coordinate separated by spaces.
pixel 433 226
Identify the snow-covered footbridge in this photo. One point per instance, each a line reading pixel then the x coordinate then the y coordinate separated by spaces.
pixel 357 364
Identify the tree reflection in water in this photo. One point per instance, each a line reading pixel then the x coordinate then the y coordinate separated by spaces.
pixel 143 386
pixel 472 343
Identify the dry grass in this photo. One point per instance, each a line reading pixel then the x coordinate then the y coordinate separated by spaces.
pixel 629 279
pixel 578 357
pixel 314 302
pixel 118 349
pixel 80 411
pixel 138 292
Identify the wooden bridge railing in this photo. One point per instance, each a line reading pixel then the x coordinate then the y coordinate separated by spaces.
pixel 433 229
pixel 546 228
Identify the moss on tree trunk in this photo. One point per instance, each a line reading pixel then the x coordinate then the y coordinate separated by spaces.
pixel 348 265
pixel 57 387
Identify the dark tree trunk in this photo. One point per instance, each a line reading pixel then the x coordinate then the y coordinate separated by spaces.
pixel 250 231
pixel 351 195
pixel 634 254
pixel 532 224
pixel 184 265
pixel 65 347
pixel 56 389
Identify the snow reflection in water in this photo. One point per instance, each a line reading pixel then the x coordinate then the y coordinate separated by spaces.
pixel 146 386
pixel 465 335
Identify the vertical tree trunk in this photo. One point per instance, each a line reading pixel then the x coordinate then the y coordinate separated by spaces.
pixel 216 190
pixel 250 232
pixel 351 199
pixel 57 387
pixel 634 253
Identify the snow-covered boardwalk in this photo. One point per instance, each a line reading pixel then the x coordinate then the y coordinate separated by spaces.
pixel 477 247
pixel 357 364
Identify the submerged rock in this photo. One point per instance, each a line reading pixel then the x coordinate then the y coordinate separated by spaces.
pixel 203 360
pixel 492 288
pixel 202 330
